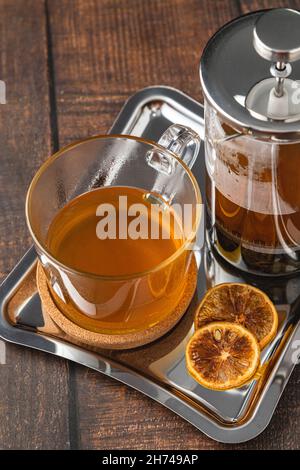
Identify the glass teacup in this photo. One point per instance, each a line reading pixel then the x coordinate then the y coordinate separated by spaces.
pixel 105 300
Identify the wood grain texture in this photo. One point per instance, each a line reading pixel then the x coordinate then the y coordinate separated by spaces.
pixel 33 386
pixel 69 66
pixel 106 50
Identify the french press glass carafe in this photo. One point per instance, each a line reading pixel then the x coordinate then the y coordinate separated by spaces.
pixel 249 71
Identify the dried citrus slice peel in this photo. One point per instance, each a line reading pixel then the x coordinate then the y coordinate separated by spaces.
pixel 222 355
pixel 242 304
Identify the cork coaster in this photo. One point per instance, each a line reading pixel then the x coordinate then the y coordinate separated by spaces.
pixel 118 341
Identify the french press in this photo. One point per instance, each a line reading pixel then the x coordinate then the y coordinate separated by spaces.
pixel 249 71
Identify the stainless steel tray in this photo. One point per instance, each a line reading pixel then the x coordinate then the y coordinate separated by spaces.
pixel 158 370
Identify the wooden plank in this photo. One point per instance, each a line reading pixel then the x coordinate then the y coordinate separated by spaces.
pixel 103 52
pixel 34 386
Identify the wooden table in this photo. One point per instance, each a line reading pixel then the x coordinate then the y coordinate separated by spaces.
pixel 69 65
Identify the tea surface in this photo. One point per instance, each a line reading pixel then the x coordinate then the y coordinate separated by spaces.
pixel 73 239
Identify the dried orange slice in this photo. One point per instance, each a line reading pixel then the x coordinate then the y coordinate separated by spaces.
pixel 222 355
pixel 242 304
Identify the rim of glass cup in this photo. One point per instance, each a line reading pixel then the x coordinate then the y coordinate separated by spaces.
pixel 60 153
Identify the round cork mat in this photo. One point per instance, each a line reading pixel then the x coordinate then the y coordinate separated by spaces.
pixel 118 341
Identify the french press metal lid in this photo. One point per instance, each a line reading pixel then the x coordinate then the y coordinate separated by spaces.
pixel 249 72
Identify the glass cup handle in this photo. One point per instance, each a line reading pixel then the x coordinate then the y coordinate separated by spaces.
pixel 182 141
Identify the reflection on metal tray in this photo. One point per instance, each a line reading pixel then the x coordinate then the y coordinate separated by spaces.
pixel 158 370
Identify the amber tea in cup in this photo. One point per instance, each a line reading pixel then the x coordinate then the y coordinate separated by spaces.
pixel 73 240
